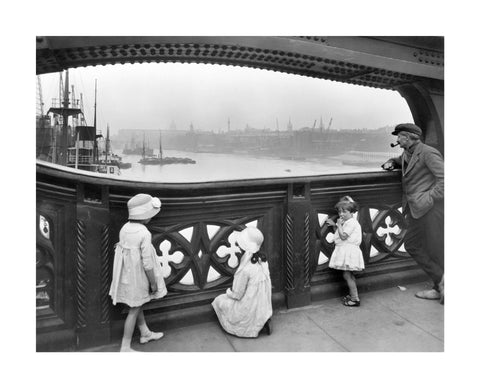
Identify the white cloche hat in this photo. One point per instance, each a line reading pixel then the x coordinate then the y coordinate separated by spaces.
pixel 143 207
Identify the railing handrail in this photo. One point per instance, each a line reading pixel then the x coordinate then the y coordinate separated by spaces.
pixel 91 177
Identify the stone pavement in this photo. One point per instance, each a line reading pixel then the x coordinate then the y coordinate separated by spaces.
pixel 389 320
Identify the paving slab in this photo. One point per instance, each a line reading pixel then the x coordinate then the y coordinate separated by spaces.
pixel 205 337
pixel 425 314
pixel 114 347
pixel 372 328
pixel 388 320
pixel 292 332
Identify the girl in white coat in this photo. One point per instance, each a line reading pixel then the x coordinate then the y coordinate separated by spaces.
pixel 137 274
pixel 246 308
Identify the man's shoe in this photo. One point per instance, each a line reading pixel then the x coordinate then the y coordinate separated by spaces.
pixel 428 294
pixel 151 337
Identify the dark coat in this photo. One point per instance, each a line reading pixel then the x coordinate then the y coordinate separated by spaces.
pixel 422 179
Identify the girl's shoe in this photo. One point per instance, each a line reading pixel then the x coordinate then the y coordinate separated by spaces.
pixel 349 302
pixel 268 327
pixel 151 337
pixel 347 297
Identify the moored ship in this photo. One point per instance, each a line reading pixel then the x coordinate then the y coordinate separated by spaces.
pixel 76 146
pixel 160 159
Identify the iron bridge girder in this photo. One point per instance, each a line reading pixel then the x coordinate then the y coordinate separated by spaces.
pixel 379 62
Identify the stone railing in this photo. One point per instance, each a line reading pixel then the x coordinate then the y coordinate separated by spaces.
pixel 79 217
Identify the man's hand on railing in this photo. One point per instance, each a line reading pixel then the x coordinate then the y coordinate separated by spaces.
pixel 389 166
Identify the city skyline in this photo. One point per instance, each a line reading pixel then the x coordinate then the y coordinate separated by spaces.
pixel 215 98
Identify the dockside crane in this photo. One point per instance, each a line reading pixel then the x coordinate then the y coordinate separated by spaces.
pixel 330 124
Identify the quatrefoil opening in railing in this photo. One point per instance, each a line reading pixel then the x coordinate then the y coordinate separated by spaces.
pixel 165 257
pixel 389 229
pixel 231 250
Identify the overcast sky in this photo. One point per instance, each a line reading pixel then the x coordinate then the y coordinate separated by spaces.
pixel 152 96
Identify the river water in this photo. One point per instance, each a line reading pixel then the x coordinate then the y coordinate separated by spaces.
pixel 219 167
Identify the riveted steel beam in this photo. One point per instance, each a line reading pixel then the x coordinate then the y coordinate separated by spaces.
pixel 381 62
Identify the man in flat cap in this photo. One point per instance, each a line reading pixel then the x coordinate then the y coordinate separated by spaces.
pixel 423 193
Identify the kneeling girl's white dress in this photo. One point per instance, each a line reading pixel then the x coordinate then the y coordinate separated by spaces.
pixel 347 255
pixel 244 310
pixel 135 254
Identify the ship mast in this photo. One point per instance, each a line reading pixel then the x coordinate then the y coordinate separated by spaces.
pixel 95 148
pixel 160 152
pixel 95 109
pixel 107 144
pixel 65 123
pixel 64 111
pixel 74 104
pixel 82 120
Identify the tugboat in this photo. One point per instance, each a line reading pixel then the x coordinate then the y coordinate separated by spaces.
pixel 159 159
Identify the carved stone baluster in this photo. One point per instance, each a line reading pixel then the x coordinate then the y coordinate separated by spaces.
pixel 81 270
pixel 105 274
pixel 289 259
pixel 306 255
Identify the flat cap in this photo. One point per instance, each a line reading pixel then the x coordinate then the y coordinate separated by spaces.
pixel 407 127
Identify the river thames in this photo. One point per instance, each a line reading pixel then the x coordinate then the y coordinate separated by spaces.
pixel 220 167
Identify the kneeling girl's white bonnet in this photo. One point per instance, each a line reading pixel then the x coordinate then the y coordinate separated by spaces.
pixel 250 239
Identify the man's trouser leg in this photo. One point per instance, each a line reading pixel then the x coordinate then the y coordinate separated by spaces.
pixel 434 229
pixel 424 242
